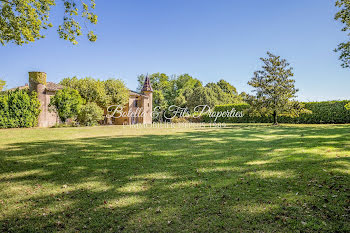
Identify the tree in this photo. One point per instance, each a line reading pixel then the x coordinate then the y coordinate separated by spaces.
pixel 182 88
pixel 90 114
pixel 344 16
pixel 2 84
pixel 67 103
pixel 225 92
pixel 103 93
pixel 22 21
pixel 347 106
pixel 227 87
pixel 116 92
pixel 274 87
pixel 202 96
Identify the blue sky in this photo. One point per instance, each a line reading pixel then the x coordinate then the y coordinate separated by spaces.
pixel 209 39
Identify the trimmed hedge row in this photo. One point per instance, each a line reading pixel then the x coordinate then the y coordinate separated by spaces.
pixel 19 109
pixel 326 112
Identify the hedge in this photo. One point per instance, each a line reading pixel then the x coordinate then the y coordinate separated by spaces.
pixel 326 112
pixel 19 109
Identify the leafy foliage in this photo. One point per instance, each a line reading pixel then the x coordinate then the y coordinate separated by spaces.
pixel 274 88
pixel 116 92
pixel 90 114
pixel 22 21
pixel 103 93
pixel 186 91
pixel 344 16
pixel 225 93
pixel 67 103
pixel 169 91
pixel 327 112
pixel 19 109
pixel 2 84
pixel 202 96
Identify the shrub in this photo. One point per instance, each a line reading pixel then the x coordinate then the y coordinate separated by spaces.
pixel 90 114
pixel 67 103
pixel 326 112
pixel 19 109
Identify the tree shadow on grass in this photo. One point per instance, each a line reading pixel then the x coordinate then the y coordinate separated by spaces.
pixel 232 179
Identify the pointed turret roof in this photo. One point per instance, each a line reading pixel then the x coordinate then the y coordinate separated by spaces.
pixel 147 85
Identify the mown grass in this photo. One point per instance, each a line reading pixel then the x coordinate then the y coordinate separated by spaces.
pixel 242 178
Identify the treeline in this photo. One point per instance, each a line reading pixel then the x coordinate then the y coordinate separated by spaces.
pixel 187 91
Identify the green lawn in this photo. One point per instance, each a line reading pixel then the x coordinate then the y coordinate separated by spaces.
pixel 240 178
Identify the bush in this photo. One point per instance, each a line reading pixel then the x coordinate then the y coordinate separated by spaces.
pixel 67 103
pixel 326 112
pixel 90 114
pixel 19 109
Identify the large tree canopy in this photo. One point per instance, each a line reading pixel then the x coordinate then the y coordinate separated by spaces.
pixel 344 16
pixel 22 21
pixel 103 93
pixel 186 91
pixel 274 87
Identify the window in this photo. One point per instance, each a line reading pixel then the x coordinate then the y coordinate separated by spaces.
pixel 135 103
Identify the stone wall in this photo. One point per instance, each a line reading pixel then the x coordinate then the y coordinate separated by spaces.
pixel 37 82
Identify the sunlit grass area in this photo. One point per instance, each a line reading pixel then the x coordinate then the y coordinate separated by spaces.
pixel 239 178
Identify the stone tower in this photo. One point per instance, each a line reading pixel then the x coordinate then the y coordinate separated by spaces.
pixel 147 101
pixel 37 83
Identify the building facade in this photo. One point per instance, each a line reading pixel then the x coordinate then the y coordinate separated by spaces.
pixel 138 102
pixel 139 108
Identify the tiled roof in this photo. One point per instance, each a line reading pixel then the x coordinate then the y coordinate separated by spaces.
pixel 135 93
pixel 53 86
pixel 147 85
pixel 20 87
pixel 50 86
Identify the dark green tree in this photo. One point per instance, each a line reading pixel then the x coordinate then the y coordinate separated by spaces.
pixel 90 89
pixel 225 92
pixel 227 87
pixel 274 87
pixel 116 92
pixel 202 96
pixel 343 15
pixel 22 21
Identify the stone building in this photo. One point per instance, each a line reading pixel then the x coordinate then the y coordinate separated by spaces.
pixel 47 118
pixel 138 103
pixel 37 82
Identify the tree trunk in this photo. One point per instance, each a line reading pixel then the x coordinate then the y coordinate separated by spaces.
pixel 275 118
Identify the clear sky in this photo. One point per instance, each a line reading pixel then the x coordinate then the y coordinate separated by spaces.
pixel 209 39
